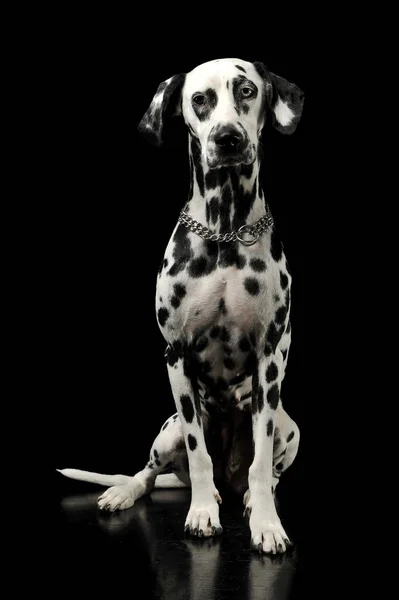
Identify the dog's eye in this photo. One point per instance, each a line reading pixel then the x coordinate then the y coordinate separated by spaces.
pixel 199 99
pixel 247 92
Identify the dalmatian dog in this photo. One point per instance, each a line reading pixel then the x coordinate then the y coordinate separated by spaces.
pixel 223 307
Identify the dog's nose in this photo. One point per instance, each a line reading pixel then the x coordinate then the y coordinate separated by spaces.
pixel 228 138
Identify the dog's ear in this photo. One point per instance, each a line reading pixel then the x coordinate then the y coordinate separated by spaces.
pixel 284 100
pixel 166 103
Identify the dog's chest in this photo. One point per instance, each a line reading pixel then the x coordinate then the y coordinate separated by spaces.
pixel 202 286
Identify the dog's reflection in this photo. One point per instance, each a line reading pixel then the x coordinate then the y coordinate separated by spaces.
pixel 198 569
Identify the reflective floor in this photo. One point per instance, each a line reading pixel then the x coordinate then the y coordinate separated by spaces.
pixel 142 552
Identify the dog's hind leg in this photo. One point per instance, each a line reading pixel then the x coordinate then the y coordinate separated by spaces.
pixel 285 449
pixel 286 443
pixel 167 453
pixel 167 467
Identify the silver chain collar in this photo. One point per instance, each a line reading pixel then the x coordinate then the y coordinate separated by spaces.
pixel 254 230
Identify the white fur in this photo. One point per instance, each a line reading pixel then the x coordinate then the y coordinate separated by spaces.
pixel 284 114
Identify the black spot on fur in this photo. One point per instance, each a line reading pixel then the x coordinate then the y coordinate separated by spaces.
pixel 261 398
pixel 201 344
pixel 283 280
pixel 224 334
pixel 204 111
pixel 250 362
pixel 192 442
pixel 158 462
pixel 214 209
pixel 150 465
pixel 243 202
pixel 255 386
pixel 273 335
pixel 163 315
pixel 279 466
pixel 252 286
pixel 180 290
pixel 182 250
pixel 281 314
pixel 163 265
pixel 187 408
pixel 225 205
pixel 156 453
pixel 268 349
pixel 244 344
pixel 241 261
pixel 240 68
pixel 288 327
pixel 215 332
pixel 247 170
pixel 257 264
pixel 174 352
pixel 246 396
pixel 269 427
pixel 276 247
pixel 240 103
pixel 199 172
pixel 211 180
pixel 290 436
pixel 197 404
pixel 191 188
pixel 165 426
pixel 175 301
pixel 284 353
pixel 228 255
pixel 198 267
pixel 222 306
pixel 229 363
pixel 227 350
pixel 271 372
pixel 273 396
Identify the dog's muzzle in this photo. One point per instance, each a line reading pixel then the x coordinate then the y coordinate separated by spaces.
pixel 228 146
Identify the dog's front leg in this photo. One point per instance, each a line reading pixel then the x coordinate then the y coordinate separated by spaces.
pixel 267 532
pixel 203 516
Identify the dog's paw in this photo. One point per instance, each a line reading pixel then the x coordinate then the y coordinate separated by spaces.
pixel 267 533
pixel 118 497
pixel 203 520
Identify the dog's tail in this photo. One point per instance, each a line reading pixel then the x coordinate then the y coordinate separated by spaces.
pixel 164 480
pixel 98 478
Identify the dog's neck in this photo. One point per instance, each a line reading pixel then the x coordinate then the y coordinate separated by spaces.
pixel 223 199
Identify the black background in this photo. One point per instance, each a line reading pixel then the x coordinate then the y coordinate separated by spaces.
pixel 115 202
pixel 103 203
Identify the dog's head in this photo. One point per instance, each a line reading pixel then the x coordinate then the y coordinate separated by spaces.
pixel 225 104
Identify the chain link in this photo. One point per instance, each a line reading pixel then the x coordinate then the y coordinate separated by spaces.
pixel 254 230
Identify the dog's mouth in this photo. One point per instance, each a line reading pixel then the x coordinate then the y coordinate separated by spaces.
pixel 229 158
